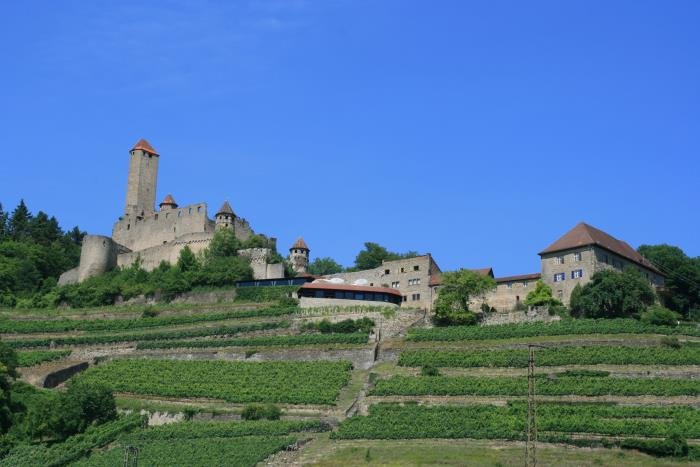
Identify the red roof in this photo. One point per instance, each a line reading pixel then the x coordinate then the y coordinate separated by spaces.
pixel 169 200
pixel 300 244
pixel 145 146
pixel 584 235
pixel 522 277
pixel 349 288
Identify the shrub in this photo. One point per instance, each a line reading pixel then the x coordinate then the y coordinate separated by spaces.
pixel 287 302
pixel 261 412
pixel 541 296
pixel 673 446
pixel 612 294
pixel 149 312
pixel 670 341
pixel 346 326
pixel 656 314
pixel 429 370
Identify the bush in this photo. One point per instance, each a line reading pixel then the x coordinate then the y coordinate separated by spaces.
pixel 673 446
pixel 670 341
pixel 429 370
pixel 656 314
pixel 541 296
pixel 261 412
pixel 287 302
pixel 347 326
pixel 612 294
pixel 149 312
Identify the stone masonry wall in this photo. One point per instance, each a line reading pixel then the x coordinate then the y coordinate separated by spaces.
pixel 161 227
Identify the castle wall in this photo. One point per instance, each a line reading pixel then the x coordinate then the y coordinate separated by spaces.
pixel 241 228
pixel 169 252
pixel 258 261
pixel 506 295
pixel 161 227
pixel 97 256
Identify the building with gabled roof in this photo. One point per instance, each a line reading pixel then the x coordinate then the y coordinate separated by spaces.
pixel 585 250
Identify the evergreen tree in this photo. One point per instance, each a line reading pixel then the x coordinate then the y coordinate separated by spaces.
pixel 3 224
pixel 19 222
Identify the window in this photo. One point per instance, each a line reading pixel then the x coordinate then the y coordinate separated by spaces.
pixel 559 260
pixel 559 277
pixel 605 259
pixel 395 284
pixel 525 285
pixel 414 281
pixel 416 268
pixel 404 298
pixel 509 285
pixel 577 273
pixel 403 269
pixel 199 208
pixel 577 256
pixel 387 271
pixel 415 297
pixel 156 216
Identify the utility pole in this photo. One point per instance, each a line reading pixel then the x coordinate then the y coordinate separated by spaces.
pixel 530 454
pixel 131 456
pixel 531 441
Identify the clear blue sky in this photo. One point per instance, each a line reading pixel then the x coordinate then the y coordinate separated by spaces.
pixel 477 131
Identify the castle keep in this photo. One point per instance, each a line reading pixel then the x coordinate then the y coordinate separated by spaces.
pixel 154 236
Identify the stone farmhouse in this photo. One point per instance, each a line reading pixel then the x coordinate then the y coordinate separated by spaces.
pixel 572 259
pixel 155 235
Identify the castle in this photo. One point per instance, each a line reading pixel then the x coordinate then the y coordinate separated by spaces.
pixel 153 236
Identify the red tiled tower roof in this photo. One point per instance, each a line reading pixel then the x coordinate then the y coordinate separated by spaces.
pixel 583 235
pixel 145 146
pixel 300 244
pixel 169 200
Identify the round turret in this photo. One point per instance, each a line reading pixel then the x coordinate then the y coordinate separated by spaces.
pixel 299 256
pixel 225 217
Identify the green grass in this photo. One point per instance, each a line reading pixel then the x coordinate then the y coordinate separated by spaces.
pixel 242 451
pixel 482 453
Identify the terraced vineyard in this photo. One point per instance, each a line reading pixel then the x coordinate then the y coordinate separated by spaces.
pixel 621 387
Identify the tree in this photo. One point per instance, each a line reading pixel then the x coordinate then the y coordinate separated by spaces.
pixel 682 285
pixel 612 294
pixel 3 223
pixel 541 296
pixel 457 290
pixel 8 364
pixel 187 261
pixel 223 244
pixel 18 224
pixel 324 266
pixel 374 254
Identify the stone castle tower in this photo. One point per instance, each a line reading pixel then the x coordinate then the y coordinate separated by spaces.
pixel 225 217
pixel 299 256
pixel 141 185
